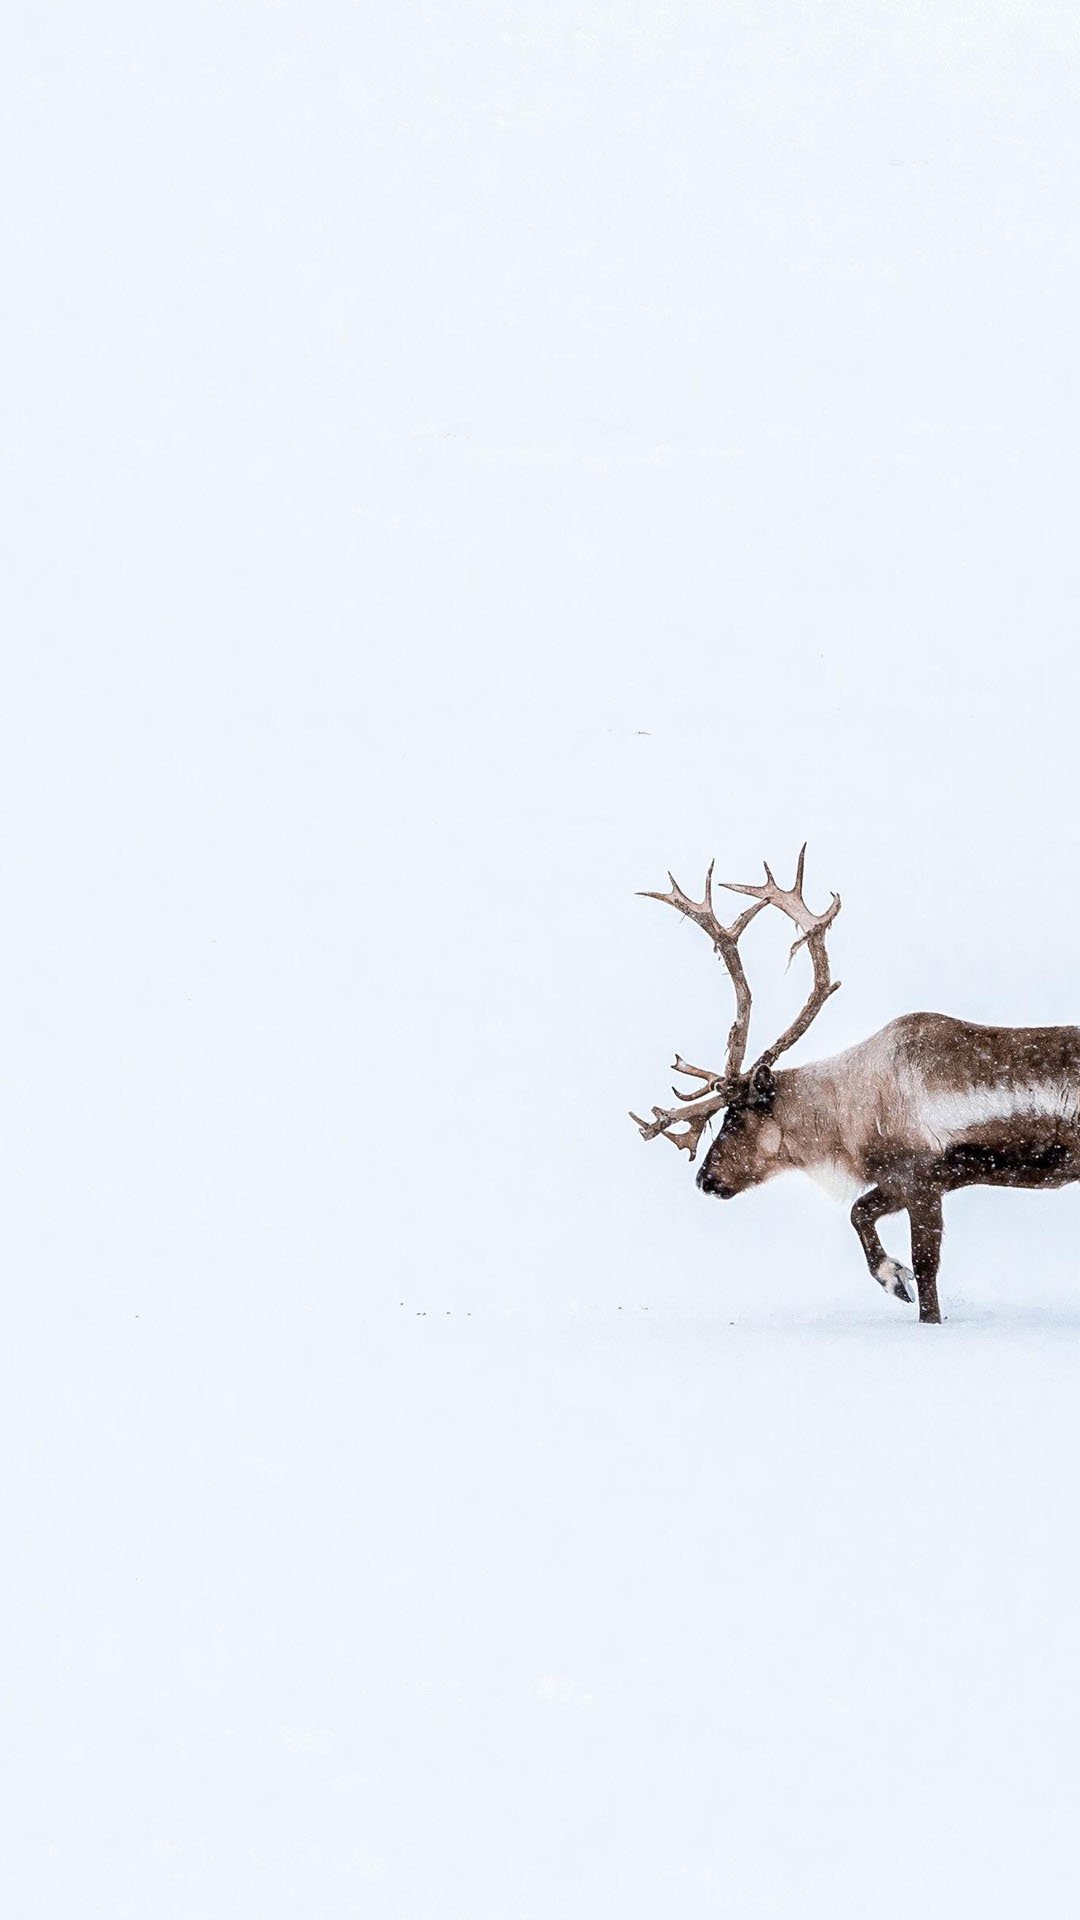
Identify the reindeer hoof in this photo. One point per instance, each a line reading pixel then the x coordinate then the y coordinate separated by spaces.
pixel 895 1279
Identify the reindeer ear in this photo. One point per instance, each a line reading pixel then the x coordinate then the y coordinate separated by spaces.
pixel 762 1087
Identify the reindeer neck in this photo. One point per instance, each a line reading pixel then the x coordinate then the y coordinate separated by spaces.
pixel 819 1122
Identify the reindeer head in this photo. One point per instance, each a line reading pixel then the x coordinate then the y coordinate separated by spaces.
pixel 749 1147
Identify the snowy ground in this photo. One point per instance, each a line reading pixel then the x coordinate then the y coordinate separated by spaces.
pixel 461 462
pixel 582 1613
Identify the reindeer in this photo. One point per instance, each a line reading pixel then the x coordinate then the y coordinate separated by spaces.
pixel 926 1105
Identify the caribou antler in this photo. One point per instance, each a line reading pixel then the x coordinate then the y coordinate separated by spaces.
pixel 718 1090
pixel 719 1086
pixel 813 928
pixel 726 942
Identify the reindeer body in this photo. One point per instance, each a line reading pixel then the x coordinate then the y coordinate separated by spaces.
pixel 930 1091
pixel 927 1105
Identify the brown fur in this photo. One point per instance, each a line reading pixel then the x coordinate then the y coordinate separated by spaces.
pixel 926 1105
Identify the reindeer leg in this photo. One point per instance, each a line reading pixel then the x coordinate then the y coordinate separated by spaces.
pixel 865 1214
pixel 924 1212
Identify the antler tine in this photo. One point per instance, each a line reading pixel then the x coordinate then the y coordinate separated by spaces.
pixel 790 900
pixel 702 912
pixel 713 1081
pixel 679 1065
pixel 744 919
pixel 813 928
pixel 695 1119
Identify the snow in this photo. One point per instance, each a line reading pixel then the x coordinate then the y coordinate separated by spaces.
pixel 568 1613
pixel 463 463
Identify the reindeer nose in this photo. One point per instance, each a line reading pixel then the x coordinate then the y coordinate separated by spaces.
pixel 709 1185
